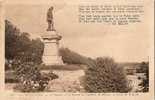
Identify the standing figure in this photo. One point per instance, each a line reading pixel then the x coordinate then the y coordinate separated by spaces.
pixel 50 19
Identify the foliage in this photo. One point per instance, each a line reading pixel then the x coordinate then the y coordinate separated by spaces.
pixel 11 39
pixel 30 78
pixel 18 44
pixel 104 75
pixel 71 57
pixel 144 68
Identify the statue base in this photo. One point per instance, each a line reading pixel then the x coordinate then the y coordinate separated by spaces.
pixel 51 48
pixel 52 60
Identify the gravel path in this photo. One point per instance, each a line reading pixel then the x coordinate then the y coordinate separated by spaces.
pixel 68 81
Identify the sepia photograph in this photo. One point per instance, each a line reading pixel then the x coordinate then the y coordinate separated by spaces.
pixel 64 47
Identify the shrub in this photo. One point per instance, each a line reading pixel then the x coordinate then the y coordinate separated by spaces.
pixel 144 68
pixel 31 79
pixel 104 75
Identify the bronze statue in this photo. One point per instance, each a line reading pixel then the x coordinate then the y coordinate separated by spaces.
pixel 50 19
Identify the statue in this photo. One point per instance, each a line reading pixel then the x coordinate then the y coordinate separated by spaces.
pixel 50 19
pixel 51 40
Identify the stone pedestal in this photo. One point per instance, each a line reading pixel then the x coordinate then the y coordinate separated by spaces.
pixel 51 48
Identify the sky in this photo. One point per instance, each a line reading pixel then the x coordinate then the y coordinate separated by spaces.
pixel 128 43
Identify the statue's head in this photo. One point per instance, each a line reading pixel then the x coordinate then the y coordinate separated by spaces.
pixel 51 8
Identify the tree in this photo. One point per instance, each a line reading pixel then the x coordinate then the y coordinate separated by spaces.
pixel 11 40
pixel 71 57
pixel 36 50
pixel 19 46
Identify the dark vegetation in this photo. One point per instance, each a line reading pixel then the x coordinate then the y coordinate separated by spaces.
pixel 23 55
pixel 71 57
pixel 144 68
pixel 19 45
pixel 104 75
pixel 30 78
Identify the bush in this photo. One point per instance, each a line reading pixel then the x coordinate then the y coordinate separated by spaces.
pixel 144 68
pixel 104 75
pixel 31 79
